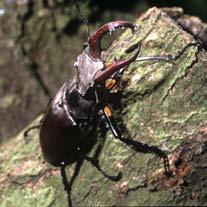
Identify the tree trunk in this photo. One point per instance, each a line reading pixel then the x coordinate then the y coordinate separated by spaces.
pixel 163 104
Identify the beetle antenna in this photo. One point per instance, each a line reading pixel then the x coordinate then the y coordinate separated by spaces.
pixel 82 17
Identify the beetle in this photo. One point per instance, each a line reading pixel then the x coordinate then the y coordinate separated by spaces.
pixel 78 101
pixel 76 104
pixel 72 113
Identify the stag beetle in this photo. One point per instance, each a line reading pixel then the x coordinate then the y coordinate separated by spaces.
pixel 78 100
pixel 73 112
pixel 75 107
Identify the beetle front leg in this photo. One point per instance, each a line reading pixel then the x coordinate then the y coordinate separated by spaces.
pixel 103 75
pixel 168 58
pixel 110 120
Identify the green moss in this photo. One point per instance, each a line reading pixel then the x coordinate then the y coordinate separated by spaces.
pixel 61 22
pixel 25 196
pixel 11 197
pixel 7 101
pixel 146 198
pixel 46 197
pixel 182 69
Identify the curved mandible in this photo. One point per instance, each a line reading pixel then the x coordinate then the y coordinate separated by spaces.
pixel 102 75
pixel 95 38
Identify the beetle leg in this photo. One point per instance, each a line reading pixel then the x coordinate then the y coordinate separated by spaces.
pixel 110 120
pixel 25 135
pixel 111 83
pixel 68 185
pixel 117 65
pixel 113 80
pixel 95 163
pixel 145 148
pixel 168 58
pixel 136 146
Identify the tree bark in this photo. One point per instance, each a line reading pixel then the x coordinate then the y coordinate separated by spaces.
pixel 163 104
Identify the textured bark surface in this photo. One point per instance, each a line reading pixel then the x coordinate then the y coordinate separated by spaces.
pixel 163 104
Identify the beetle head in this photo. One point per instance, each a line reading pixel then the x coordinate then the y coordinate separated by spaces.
pixel 89 61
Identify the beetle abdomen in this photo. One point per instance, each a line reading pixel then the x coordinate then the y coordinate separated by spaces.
pixel 59 132
pixel 58 137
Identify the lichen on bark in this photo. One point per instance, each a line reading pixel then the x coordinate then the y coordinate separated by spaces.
pixel 163 104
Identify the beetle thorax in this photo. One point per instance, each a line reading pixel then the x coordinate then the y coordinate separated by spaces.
pixel 86 67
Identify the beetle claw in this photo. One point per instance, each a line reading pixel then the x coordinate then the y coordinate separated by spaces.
pixel 95 39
